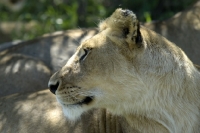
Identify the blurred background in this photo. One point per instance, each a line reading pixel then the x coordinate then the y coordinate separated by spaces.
pixel 28 19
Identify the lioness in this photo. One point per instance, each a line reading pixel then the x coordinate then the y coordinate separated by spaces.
pixel 50 50
pixel 133 72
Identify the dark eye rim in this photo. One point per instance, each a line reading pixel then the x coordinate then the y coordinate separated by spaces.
pixel 86 50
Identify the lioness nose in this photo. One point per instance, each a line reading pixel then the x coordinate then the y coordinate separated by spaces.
pixel 53 86
pixel 54 82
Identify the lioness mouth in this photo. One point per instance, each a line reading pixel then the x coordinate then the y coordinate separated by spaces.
pixel 87 100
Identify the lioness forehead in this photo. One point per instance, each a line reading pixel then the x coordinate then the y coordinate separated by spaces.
pixel 95 41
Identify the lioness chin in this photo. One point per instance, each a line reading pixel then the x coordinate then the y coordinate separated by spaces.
pixel 134 73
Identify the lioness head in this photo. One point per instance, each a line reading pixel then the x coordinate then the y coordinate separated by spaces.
pixel 122 68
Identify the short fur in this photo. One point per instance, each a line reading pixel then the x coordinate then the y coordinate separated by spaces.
pixel 150 82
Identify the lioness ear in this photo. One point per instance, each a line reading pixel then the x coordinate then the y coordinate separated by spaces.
pixel 124 23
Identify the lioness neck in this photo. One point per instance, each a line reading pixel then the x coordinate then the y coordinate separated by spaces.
pixel 170 89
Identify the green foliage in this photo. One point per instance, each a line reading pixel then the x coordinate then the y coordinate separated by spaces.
pixel 49 16
pixel 54 15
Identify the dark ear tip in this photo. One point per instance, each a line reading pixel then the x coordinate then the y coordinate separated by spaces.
pixel 126 12
pixel 139 36
pixel 139 39
pixel 126 31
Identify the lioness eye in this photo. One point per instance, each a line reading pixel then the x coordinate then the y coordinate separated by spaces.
pixel 86 51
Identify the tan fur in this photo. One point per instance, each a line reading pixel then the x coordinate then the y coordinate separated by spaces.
pixel 27 113
pixel 135 73
pixel 183 29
